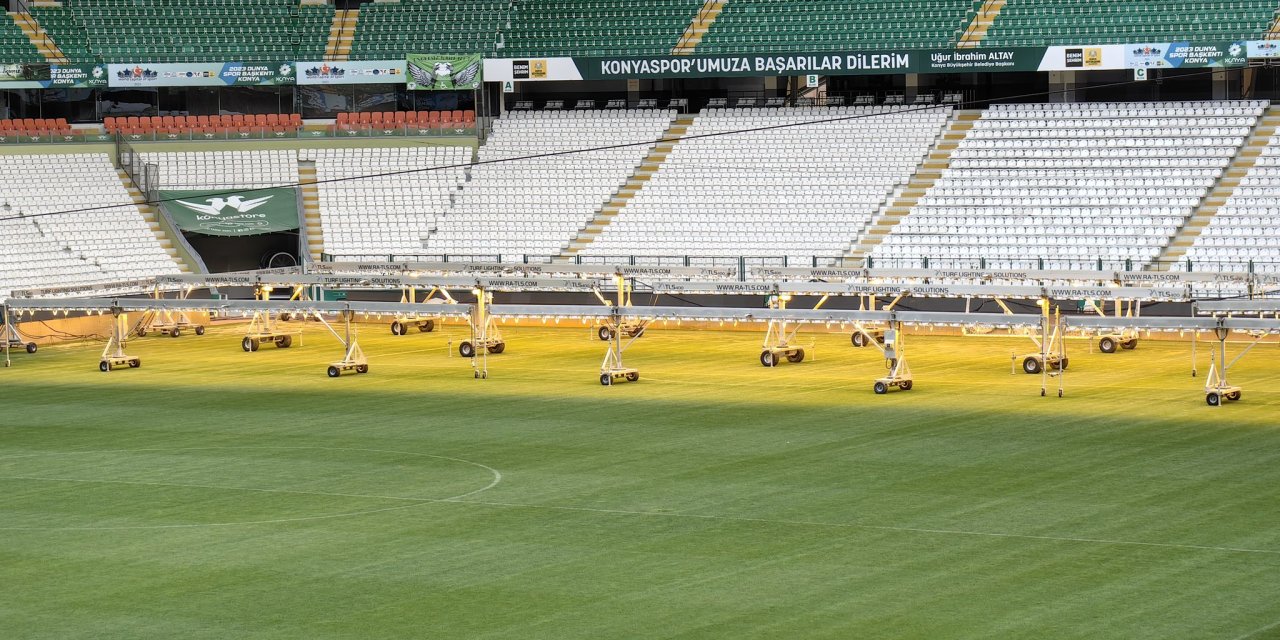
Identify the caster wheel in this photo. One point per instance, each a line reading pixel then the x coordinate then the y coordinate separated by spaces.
pixel 632 377
pixel 176 333
pixel 1031 365
pixel 334 372
pixel 427 327
pixel 484 375
pixel 362 368
pixel 768 359
pixel 798 356
pixel 199 330
pixel 135 363
pixel 1042 393
pixel 881 388
pixel 1130 345
pixel 285 317
pixel 906 386
pixel 142 333
pixel 104 366
pixel 1212 399
pixel 475 374
pixel 1107 345
pixel 1233 396
pixel 606 379
pixel 466 350
pixel 859 339
pixel 605 334
pixel 397 328
pixel 498 348
pixel 1064 363
pixel 247 344
pixel 31 347
pixel 284 342
pixel 1059 393
pixel 639 333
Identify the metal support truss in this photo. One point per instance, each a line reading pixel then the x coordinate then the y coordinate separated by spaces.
pixel 426 322
pixel 353 358
pixel 485 338
pixel 780 334
pixel 11 338
pixel 113 354
pixel 894 349
pixel 169 322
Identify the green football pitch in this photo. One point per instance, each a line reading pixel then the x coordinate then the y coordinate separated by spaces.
pixel 214 493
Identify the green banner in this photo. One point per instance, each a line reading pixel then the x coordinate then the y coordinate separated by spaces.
pixel 52 76
pixel 253 212
pixel 429 72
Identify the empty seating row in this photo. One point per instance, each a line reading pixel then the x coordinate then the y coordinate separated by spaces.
pixel 205 124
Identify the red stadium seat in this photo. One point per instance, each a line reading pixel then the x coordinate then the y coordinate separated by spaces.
pixel 400 118
pixel 108 123
pixel 457 116
pixel 429 116
pixel 364 117
pixel 411 117
pixel 469 116
pixel 295 119
pixel 344 118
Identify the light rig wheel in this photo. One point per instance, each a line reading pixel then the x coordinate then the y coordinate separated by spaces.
pixel 1031 365
pixel 880 388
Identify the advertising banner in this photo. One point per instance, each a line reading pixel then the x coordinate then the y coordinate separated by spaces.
pixel 826 64
pixel 200 74
pixel 444 72
pixel 1186 55
pixel 1263 49
pixel 1082 58
pixel 55 76
pixel 352 72
pixel 227 214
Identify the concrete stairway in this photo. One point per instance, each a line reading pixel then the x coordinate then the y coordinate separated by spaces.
pixel 649 166
pixel 1244 160
pixel 341 34
pixel 982 21
pixel 898 205
pixel 38 37
pixel 149 213
pixel 311 209
pixel 697 29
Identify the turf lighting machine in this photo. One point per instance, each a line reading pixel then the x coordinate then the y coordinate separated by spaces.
pixel 894 349
pixel 353 358
pixel 265 326
pixel 1216 387
pixel 619 336
pixel 780 336
pixel 865 334
pixel 1051 342
pixel 113 354
pixel 1126 338
pixel 10 338
pixel 612 325
pixel 426 323
pixel 485 338
pixel 167 321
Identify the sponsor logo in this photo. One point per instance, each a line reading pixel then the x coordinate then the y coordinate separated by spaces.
pixel 538 69
pixel 1074 58
pixel 137 73
pixel 216 205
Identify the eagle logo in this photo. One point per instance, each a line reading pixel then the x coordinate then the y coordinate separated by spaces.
pixel 442 75
pixel 216 205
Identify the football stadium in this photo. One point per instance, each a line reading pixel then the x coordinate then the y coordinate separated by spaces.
pixel 648 319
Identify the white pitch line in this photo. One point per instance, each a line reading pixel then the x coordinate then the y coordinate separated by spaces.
pixel 1258 630
pixel 809 523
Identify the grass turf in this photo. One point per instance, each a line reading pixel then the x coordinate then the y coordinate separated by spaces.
pixel 214 493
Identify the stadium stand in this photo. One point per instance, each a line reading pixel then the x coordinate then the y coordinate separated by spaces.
pixel 427 119
pixel 835 25
pixel 187 31
pixel 1054 22
pixel 1071 184
pixel 224 169
pixel 386 214
pixel 15 47
pixel 1243 235
pixel 76 248
pixel 596 27
pixel 800 192
pixel 388 31
pixel 534 207
pixel 65 27
pixel 34 126
pixel 200 124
